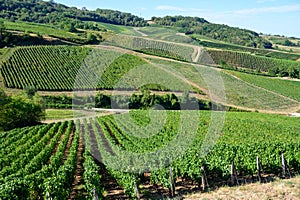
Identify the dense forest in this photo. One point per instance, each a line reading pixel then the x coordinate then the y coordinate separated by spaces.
pixel 195 25
pixel 49 12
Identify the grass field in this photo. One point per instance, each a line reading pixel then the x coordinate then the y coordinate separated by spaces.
pixel 119 29
pixel 52 114
pixel 168 34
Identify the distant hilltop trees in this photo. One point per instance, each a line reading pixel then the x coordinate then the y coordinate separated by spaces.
pixel 196 25
pixel 53 13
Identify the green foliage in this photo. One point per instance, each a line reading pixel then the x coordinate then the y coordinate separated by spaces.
pixel 243 137
pixel 195 25
pixel 30 91
pixel 19 111
pixel 58 186
pixel 43 29
pixel 49 12
pixel 91 176
pixel 36 145
pixel 283 41
pixel 267 44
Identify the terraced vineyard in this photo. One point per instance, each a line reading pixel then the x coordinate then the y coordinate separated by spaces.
pixel 289 88
pixel 35 160
pixel 260 63
pixel 65 68
pixel 44 67
pixel 160 48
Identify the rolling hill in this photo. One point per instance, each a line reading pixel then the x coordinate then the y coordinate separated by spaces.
pixel 169 72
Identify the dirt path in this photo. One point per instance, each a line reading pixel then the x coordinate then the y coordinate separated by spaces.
pixel 139 32
pixel 69 144
pixel 89 114
pixel 78 180
pixel 198 55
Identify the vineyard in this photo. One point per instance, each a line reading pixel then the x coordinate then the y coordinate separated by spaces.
pixel 35 160
pixel 238 92
pixel 257 51
pixel 288 88
pixel 44 67
pixel 65 68
pixel 156 47
pixel 260 63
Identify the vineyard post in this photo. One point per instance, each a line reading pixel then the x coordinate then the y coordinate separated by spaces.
pixel 95 195
pixel 172 183
pixel 258 169
pixel 284 167
pixel 233 174
pixel 204 178
pixel 136 190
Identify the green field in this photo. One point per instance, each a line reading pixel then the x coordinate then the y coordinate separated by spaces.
pixel 167 34
pixel 127 30
pixel 147 109
pixel 53 114
pixel 43 29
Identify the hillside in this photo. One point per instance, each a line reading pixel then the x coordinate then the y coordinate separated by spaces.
pixel 49 12
pixel 72 19
pixel 121 108
pixel 194 25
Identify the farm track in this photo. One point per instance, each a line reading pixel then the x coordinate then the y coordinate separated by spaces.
pixel 139 32
pixel 69 144
pixel 94 147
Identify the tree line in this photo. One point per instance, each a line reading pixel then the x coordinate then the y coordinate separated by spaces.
pixel 49 12
pixel 195 25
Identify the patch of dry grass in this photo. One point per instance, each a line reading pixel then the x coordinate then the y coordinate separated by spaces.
pixel 288 189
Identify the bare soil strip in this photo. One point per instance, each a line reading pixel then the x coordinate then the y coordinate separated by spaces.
pixel 77 185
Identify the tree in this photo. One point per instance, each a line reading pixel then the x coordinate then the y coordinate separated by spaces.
pixel 267 45
pixel 287 42
pixel 20 111
pixel 30 91
pixel 91 38
pixel 2 31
